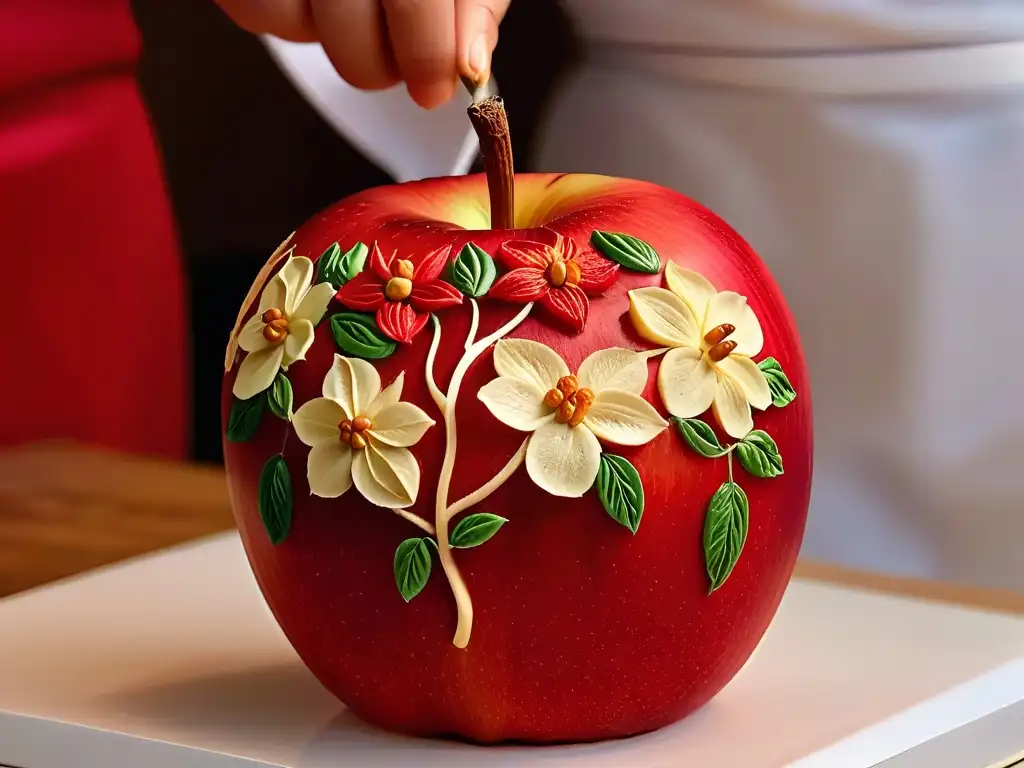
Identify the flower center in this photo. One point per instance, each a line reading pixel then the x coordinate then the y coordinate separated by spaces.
pixel 570 402
pixel 718 347
pixel 402 268
pixel 561 272
pixel 276 327
pixel 354 432
pixel 398 288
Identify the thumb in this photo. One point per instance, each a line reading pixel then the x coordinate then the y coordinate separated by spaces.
pixel 476 25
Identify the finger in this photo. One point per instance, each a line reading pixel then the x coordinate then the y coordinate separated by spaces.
pixel 287 19
pixel 422 34
pixel 476 25
pixel 353 35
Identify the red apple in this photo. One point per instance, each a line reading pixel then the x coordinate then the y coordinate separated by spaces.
pixel 580 628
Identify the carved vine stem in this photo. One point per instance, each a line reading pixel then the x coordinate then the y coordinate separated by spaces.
pixel 442 512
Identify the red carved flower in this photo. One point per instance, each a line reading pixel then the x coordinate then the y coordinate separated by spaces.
pixel 402 291
pixel 557 274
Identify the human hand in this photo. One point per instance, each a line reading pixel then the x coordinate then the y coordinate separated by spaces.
pixel 375 44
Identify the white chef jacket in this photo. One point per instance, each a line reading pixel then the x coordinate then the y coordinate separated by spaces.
pixel 872 151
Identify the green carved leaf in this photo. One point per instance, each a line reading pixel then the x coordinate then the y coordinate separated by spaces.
pixel 759 454
pixel 621 491
pixel 244 419
pixel 782 391
pixel 280 397
pixel 358 335
pixel 725 531
pixel 629 251
pixel 338 268
pixel 473 272
pixel 474 530
pixel 354 259
pixel 701 437
pixel 412 567
pixel 275 498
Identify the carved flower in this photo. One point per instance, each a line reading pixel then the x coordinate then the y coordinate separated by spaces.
pixel 281 331
pixel 403 292
pixel 557 274
pixel 713 336
pixel 535 392
pixel 232 351
pixel 360 434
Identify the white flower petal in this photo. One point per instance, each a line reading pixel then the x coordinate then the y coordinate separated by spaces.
pixel 687 382
pixel 732 409
pixel 662 317
pixel 387 477
pixel 691 287
pixel 313 305
pixel 317 420
pixel 529 362
pixel 400 425
pixel 297 276
pixel 562 460
pixel 257 372
pixel 729 307
pixel 615 368
pixel 392 394
pixel 352 382
pixel 274 295
pixel 254 290
pixel 329 469
pixel 745 372
pixel 515 403
pixel 298 341
pixel 624 418
pixel 251 338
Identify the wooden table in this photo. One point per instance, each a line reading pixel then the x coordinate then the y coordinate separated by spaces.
pixel 67 509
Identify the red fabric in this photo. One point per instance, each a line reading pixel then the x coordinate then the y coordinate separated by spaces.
pixel 92 294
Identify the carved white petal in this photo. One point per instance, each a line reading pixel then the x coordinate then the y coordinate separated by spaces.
pixel 518 404
pixel 313 305
pixel 257 371
pixel 400 425
pixel 251 338
pixel 624 418
pixel 662 317
pixel 562 460
pixel 691 287
pixel 392 394
pixel 385 476
pixel 297 277
pixel 615 368
pixel 751 380
pixel 732 409
pixel 298 341
pixel 687 382
pixel 275 295
pixel 352 382
pixel 232 351
pixel 529 362
pixel 329 469
pixel 729 307
pixel 317 420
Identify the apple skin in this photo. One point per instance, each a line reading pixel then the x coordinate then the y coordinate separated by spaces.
pixel 582 631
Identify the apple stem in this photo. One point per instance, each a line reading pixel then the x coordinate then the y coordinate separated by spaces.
pixel 490 122
pixel 442 517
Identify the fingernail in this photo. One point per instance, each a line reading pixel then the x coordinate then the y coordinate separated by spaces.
pixel 479 58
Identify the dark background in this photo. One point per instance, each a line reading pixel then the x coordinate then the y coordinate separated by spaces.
pixel 248 160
